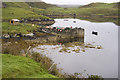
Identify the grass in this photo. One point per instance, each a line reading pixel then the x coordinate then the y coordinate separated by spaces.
pixel 72 44
pixel 16 4
pixel 100 5
pixel 19 10
pixel 20 28
pixel 92 46
pixel 99 47
pixel 76 50
pixel 47 63
pixel 64 49
pixel 22 67
pixel 19 48
pixel 83 50
pixel 19 13
pixel 95 77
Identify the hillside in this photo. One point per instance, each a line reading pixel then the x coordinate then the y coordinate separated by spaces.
pixel 42 5
pixel 15 4
pixel 21 10
pixel 108 9
pixel 22 67
pixel 69 6
pixel 27 4
pixel 19 13
pixel 100 5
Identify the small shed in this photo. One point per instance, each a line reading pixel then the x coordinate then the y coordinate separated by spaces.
pixel 14 21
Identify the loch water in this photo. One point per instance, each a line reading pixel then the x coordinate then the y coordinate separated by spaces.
pixel 103 62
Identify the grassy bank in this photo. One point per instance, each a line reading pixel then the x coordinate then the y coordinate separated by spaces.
pixel 20 28
pixel 22 67
pixel 16 50
pixel 19 62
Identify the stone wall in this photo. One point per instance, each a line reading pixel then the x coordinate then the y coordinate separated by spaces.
pixel 71 35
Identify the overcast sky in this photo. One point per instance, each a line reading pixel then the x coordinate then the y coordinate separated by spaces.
pixel 78 2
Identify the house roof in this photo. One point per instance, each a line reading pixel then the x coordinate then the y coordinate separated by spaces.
pixel 15 19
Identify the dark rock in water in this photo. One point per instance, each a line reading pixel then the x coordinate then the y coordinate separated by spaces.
pixel 95 33
pixel 74 16
pixel 74 21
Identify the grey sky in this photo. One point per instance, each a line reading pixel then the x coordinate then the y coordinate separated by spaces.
pixel 78 2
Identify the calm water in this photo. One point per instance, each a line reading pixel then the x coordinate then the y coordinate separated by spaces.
pixel 102 62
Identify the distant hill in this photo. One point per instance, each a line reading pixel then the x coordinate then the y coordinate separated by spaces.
pixel 40 5
pixel 27 4
pixel 68 6
pixel 15 4
pixel 20 10
pixel 23 9
pixel 100 5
